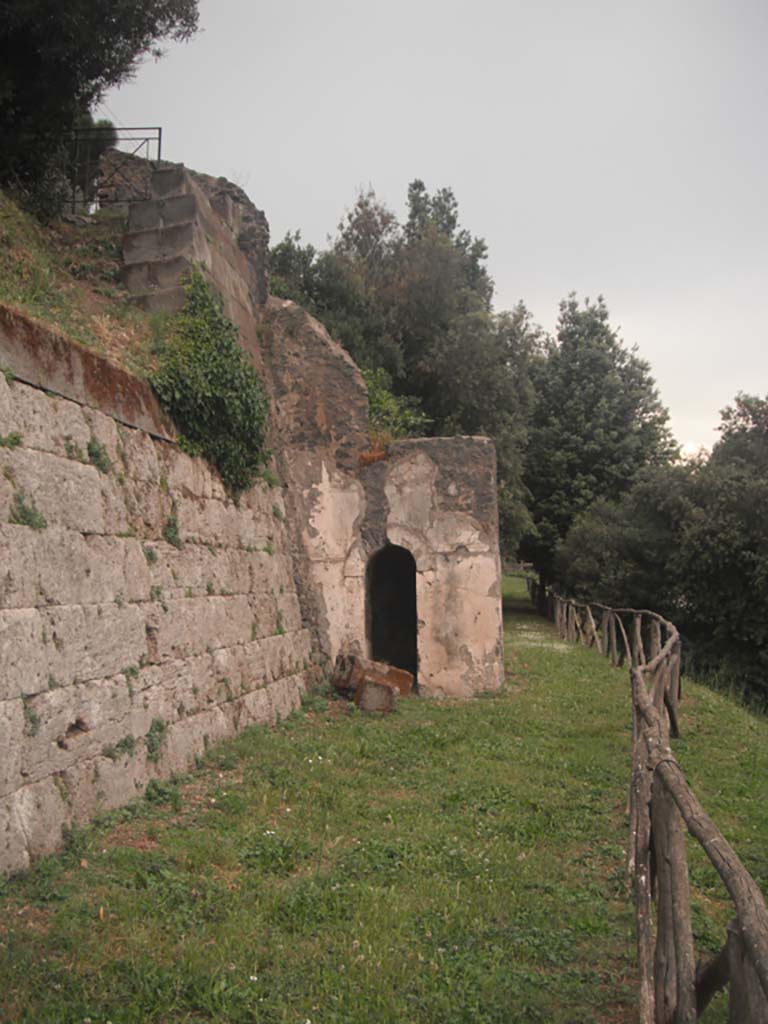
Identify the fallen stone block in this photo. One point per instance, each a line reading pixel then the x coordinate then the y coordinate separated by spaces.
pixel 350 671
pixel 376 696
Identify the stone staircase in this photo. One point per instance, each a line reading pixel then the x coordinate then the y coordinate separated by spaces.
pixel 190 222
pixel 164 240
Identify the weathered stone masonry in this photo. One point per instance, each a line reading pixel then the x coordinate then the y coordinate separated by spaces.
pixel 123 656
pixel 152 615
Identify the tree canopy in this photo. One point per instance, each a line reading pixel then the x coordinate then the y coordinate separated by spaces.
pixel 597 421
pixel 57 60
pixel 691 541
pixel 414 301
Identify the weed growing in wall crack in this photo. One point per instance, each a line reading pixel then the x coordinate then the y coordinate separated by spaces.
pixel 154 739
pixel 31 719
pixel 73 450
pixel 211 391
pixel 12 440
pixel 24 513
pixel 97 456
pixel 171 530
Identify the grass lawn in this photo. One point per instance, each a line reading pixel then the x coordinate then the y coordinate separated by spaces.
pixel 451 864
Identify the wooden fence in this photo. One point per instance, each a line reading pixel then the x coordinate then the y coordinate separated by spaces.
pixel 674 987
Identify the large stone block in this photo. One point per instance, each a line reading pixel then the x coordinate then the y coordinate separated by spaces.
pixel 24 656
pixel 243 666
pixel 14 854
pixel 46 422
pixel 57 566
pixel 73 724
pixel 190 477
pixel 42 812
pixel 376 697
pixel 94 641
pixel 104 783
pixel 218 522
pixel 189 737
pixel 351 673
pixel 66 492
pixel 44 358
pixel 189 627
pixel 11 739
pixel 140 456
pixel 285 695
pixel 160 213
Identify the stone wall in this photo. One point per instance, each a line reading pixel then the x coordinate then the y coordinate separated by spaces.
pixel 436 497
pixel 143 615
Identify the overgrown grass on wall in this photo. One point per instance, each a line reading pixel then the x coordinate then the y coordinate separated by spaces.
pixel 67 275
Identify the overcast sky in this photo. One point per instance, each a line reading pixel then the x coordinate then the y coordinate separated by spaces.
pixel 603 147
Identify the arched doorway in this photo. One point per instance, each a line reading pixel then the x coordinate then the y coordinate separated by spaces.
pixel 391 608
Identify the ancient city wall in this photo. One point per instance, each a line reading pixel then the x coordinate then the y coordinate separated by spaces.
pixel 143 615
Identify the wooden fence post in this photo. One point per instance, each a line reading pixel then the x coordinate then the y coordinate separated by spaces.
pixel 638 651
pixel 655 638
pixel 674 961
pixel 593 630
pixel 642 882
pixel 747 1003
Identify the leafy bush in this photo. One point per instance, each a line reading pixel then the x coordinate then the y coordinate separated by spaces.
pixel 98 457
pixel 391 415
pixel 155 738
pixel 211 391
pixel 24 513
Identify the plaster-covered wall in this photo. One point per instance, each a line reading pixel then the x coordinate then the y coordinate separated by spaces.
pixel 436 498
pixel 124 652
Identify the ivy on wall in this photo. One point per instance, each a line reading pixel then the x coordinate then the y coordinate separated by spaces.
pixel 213 394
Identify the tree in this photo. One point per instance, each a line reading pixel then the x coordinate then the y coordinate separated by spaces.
pixel 691 542
pixel 597 422
pixel 722 559
pixel 58 59
pixel 415 302
pixel 623 552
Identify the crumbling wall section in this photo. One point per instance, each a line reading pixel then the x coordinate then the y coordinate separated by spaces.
pixel 143 614
pixel 436 497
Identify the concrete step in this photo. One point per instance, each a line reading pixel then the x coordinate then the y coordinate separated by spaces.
pixel 169 181
pixel 162 213
pixel 160 243
pixel 161 300
pixel 154 274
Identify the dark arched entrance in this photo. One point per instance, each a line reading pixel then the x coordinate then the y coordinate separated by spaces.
pixel 391 611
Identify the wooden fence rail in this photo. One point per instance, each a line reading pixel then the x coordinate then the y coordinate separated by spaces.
pixel 675 988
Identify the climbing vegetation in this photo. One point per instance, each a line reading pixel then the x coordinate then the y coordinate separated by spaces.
pixel 211 391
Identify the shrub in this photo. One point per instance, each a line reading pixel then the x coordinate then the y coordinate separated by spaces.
pixel 97 456
pixel 154 739
pixel 211 391
pixel 24 513
pixel 171 531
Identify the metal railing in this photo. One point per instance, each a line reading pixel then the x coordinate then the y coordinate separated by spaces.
pixel 87 146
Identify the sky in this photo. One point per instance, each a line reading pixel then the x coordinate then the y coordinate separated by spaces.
pixel 602 147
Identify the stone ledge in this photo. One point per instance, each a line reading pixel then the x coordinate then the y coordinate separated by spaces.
pixel 44 358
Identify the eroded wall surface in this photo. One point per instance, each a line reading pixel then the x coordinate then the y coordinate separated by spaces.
pixel 436 497
pixel 143 615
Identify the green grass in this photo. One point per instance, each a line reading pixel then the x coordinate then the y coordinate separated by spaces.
pixel 454 863
pixel 67 275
